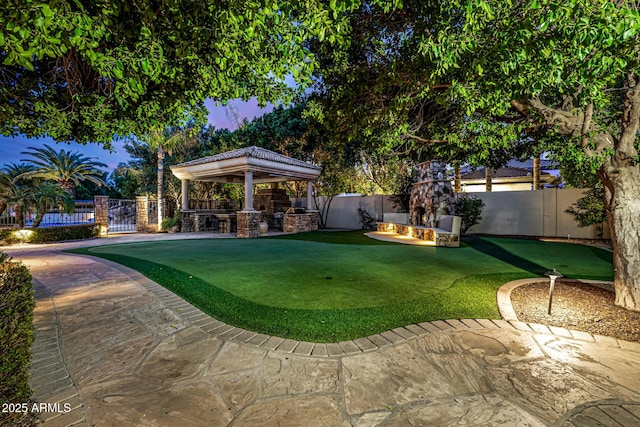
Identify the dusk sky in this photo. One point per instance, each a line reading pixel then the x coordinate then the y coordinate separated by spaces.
pixel 11 147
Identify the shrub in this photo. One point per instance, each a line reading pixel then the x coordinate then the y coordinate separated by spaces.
pixel 470 209
pixel 169 222
pixel 16 333
pixel 589 210
pixel 71 232
pixel 5 235
pixel 51 234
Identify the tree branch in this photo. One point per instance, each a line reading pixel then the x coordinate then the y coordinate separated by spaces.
pixel 630 120
pixel 576 125
pixel 586 124
pixel 425 140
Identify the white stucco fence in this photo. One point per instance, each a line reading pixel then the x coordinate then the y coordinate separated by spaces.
pixel 522 213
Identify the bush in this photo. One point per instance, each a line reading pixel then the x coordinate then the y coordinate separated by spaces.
pixel 470 209
pixel 16 333
pixel 589 210
pixel 5 235
pixel 71 232
pixel 50 234
pixel 169 222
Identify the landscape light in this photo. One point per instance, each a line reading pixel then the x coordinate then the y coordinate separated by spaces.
pixel 23 234
pixel 552 275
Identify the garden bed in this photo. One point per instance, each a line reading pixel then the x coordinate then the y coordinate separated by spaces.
pixel 576 306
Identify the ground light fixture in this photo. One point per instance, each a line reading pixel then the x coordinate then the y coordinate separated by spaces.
pixel 552 275
pixel 23 234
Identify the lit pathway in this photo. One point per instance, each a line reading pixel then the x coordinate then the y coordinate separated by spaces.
pixel 121 350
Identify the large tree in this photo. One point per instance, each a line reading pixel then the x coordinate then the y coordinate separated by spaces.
pixel 89 70
pixel 469 79
pixel 571 65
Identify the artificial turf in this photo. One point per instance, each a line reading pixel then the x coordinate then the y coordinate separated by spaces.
pixel 334 286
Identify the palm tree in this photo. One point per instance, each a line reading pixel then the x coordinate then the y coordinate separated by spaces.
pixel 46 196
pixel 16 190
pixel 66 168
pixel 165 141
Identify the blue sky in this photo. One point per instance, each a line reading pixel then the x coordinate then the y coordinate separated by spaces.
pixel 11 147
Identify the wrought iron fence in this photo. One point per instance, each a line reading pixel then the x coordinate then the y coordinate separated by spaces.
pixel 122 215
pixel 83 213
pixel 152 212
pixel 8 218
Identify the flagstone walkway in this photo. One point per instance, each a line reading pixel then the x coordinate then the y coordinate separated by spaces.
pixel 115 349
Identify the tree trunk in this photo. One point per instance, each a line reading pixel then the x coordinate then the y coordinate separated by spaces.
pixel 536 172
pixel 457 177
pixel 39 218
pixel 160 185
pixel 625 235
pixel 488 172
pixel 20 213
pixel 621 180
pixel 69 187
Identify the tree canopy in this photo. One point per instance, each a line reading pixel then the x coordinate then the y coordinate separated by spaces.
pixel 87 71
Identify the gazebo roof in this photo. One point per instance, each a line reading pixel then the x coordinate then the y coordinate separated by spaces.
pixel 229 167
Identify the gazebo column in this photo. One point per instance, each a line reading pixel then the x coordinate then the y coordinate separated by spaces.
pixel 248 191
pixel 248 218
pixel 185 194
pixel 309 195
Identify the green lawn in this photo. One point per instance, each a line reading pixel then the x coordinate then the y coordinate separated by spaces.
pixel 333 286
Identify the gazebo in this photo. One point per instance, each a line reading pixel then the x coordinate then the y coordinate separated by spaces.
pixel 248 166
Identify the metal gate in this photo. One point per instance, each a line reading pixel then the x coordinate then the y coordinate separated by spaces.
pixel 122 215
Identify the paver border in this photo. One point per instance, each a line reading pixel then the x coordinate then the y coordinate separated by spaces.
pixel 49 376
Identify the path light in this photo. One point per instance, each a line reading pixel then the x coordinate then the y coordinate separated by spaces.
pixel 552 275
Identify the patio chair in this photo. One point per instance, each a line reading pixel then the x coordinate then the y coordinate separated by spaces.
pixel 367 220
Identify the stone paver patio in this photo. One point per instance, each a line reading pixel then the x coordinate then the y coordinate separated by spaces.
pixel 121 350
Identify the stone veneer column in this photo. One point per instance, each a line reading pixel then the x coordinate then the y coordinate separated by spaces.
pixel 248 224
pixel 101 214
pixel 142 214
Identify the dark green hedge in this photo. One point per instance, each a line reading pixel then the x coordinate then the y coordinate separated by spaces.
pixel 5 235
pixel 16 333
pixel 51 234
